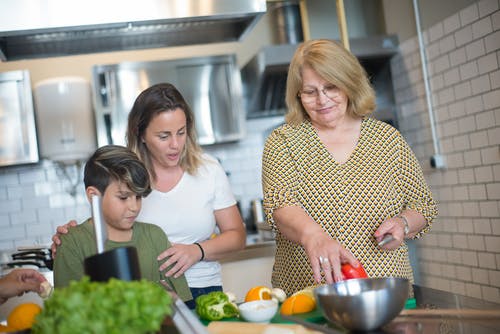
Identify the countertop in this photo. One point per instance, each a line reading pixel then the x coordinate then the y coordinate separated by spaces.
pixel 428 298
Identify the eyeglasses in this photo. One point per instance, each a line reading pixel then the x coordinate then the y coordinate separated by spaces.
pixel 311 95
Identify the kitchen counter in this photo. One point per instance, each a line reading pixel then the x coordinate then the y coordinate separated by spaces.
pixel 428 298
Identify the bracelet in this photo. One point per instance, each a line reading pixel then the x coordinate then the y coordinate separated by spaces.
pixel 201 249
pixel 405 223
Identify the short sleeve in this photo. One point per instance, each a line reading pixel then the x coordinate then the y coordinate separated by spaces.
pixel 224 196
pixel 279 175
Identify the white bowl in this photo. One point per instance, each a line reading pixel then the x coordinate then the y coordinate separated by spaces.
pixel 258 310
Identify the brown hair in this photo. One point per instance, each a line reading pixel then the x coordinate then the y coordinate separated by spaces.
pixel 152 101
pixel 116 163
pixel 331 61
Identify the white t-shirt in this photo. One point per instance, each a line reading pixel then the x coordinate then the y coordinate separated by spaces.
pixel 186 214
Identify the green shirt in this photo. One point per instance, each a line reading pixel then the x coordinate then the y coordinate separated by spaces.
pixel 148 239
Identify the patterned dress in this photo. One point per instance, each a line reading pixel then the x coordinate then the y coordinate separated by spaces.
pixel 381 178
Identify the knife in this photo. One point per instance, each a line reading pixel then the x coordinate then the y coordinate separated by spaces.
pixel 99 225
pixel 311 325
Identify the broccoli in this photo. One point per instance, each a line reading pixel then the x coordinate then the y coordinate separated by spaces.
pixel 215 306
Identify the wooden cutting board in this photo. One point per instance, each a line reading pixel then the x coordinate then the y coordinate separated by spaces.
pixel 231 327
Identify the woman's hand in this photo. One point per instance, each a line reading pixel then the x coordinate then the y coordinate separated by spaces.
pixel 232 238
pixel 391 227
pixel 326 256
pixel 181 257
pixel 395 227
pixel 325 253
pixel 56 241
pixel 19 281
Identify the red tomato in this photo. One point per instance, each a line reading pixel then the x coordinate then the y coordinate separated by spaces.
pixel 351 272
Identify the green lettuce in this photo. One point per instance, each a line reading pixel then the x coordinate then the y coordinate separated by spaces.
pixel 115 306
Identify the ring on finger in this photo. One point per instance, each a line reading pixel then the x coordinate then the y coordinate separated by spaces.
pixel 323 260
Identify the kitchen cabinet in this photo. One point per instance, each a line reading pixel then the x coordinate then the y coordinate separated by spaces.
pixel 247 268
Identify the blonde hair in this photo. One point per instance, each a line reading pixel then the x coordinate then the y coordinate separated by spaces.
pixel 331 61
pixel 152 101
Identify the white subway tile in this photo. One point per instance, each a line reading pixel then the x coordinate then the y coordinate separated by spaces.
pixel 481 84
pixel 484 120
pixel 487 7
pixel 481 28
pixel 460 241
pixel 495 79
pixel 488 63
pixel 451 24
pixel 489 209
pixel 472 158
pixel 492 41
pixel 464 273
pixel 457 57
pixel 12 233
pixel 491 99
pixel 462 90
pixel 492 243
pixel 440 65
pixel 490 155
pixel 463 36
pixel 460 193
pixel 469 258
pixel 468 70
pixel 447 44
pixel 473 290
pixel 482 226
pixel 479 139
pixel 480 276
pixel 474 105
pixel 435 32
pixel 475 49
pixel 9 179
pixel 493 190
pixel 466 176
pixel 496 172
pixel 490 293
pixel 477 192
pixel 10 206
pixel 471 209
pixel 483 174
pixel 494 136
pixel 487 260
pixel 495 20
pixel 476 242
pixel 469 14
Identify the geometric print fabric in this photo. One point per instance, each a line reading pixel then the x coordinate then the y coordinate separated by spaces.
pixel 381 178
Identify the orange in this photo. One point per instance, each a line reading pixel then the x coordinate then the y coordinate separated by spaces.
pixel 6 329
pixel 298 303
pixel 258 293
pixel 23 316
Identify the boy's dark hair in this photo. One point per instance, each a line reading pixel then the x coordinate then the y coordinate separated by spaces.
pixel 116 163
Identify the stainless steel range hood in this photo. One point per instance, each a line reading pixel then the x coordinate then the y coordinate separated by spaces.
pixel 264 76
pixel 46 28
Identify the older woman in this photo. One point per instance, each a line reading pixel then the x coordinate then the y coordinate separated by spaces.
pixel 336 181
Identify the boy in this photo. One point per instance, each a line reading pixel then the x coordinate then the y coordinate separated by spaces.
pixel 121 179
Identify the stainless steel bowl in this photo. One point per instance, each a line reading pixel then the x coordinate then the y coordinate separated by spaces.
pixel 363 303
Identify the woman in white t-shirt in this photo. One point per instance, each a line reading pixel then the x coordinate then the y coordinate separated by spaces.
pixel 191 200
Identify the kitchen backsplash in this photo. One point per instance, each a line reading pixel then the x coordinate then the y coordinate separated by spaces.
pixel 35 199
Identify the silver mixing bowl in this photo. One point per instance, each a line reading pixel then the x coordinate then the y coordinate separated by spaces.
pixel 363 303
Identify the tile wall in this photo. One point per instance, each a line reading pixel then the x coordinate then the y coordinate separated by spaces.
pixel 462 253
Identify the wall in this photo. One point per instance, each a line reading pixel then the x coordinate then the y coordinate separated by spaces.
pixel 462 253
